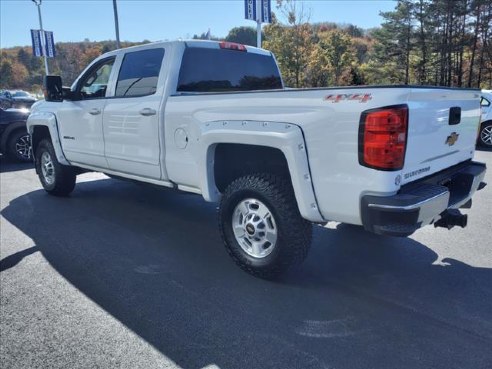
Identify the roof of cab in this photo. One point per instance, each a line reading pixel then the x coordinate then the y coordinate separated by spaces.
pixel 189 43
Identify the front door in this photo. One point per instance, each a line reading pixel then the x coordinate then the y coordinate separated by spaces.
pixel 81 120
pixel 131 116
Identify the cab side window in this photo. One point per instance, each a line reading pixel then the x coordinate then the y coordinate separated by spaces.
pixel 94 84
pixel 139 73
pixel 484 102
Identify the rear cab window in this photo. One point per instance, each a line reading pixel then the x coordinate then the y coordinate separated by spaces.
pixel 225 70
pixel 139 73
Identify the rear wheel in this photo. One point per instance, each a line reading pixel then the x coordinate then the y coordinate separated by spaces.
pixel 19 146
pixel 485 137
pixel 57 179
pixel 261 226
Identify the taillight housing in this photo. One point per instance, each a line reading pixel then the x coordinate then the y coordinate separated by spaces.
pixel 383 137
pixel 232 46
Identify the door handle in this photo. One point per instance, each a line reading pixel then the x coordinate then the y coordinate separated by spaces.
pixel 147 112
pixel 95 111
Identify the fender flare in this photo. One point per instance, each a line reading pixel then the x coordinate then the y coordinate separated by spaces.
pixel 6 134
pixel 48 120
pixel 286 137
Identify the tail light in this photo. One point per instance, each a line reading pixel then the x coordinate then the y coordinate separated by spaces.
pixel 232 46
pixel 383 137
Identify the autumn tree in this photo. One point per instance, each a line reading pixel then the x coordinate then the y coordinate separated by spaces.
pixel 13 74
pixel 291 43
pixel 318 71
pixel 340 54
pixel 242 35
pixel 5 74
pixel 426 42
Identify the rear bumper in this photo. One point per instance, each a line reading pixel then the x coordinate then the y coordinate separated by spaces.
pixel 424 202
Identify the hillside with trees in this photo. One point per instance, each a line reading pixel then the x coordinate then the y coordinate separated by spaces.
pixel 423 42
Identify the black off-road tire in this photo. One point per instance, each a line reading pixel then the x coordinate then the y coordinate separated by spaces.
pixel 17 139
pixel 294 234
pixel 63 176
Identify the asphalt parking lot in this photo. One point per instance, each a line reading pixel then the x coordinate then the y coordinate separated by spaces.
pixel 129 276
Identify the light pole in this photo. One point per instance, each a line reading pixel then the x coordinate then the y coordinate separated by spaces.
pixel 258 23
pixel 116 24
pixel 43 39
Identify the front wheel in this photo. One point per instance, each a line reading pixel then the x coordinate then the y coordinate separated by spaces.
pixel 57 179
pixel 485 137
pixel 261 226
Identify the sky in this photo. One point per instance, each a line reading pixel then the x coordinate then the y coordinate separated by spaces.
pixel 155 20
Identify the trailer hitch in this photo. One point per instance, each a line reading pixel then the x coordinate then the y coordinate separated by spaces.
pixel 451 218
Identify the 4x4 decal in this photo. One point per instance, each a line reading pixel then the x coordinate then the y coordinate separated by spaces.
pixel 349 97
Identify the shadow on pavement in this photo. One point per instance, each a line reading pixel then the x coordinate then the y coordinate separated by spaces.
pixel 486 149
pixel 7 165
pixel 12 260
pixel 154 260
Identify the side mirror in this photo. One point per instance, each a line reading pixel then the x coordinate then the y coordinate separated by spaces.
pixel 53 90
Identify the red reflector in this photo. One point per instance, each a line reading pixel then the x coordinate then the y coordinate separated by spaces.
pixel 383 138
pixel 232 46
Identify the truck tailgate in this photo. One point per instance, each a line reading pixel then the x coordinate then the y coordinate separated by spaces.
pixel 442 130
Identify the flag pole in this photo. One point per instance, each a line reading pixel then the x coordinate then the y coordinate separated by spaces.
pixel 116 24
pixel 43 39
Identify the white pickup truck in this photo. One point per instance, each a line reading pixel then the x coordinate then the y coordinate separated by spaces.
pixel 214 118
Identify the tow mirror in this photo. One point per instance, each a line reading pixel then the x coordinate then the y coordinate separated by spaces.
pixel 53 90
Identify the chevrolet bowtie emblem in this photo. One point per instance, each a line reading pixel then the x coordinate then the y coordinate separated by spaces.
pixel 452 138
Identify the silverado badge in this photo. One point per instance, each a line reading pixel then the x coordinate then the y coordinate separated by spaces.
pixel 452 138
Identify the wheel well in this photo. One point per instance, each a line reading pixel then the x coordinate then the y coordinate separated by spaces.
pixel 12 128
pixel 39 133
pixel 14 131
pixel 232 161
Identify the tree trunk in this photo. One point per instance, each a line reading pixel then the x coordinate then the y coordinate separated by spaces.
pixel 474 47
pixel 423 62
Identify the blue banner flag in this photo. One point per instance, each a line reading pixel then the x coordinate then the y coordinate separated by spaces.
pixel 250 9
pixel 37 49
pixel 266 11
pixel 50 44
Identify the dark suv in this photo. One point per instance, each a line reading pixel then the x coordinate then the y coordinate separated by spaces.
pixel 14 139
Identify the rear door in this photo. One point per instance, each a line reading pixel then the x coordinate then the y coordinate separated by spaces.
pixel 131 117
pixel 442 130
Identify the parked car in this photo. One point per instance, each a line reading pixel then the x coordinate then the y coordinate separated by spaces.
pixel 22 99
pixel 14 139
pixel 485 135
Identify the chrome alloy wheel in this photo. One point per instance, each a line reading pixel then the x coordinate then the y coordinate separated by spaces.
pixel 47 168
pixel 486 135
pixel 23 147
pixel 254 228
